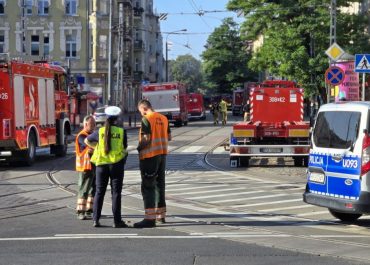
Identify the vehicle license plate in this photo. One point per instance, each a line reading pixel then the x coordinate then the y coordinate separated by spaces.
pixel 317 177
pixel 271 150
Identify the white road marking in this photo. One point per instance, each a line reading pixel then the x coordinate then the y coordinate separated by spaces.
pixel 208 191
pixel 288 208
pixel 254 198
pixel 200 187
pixel 224 195
pixel 192 149
pixel 265 203
pixel 312 213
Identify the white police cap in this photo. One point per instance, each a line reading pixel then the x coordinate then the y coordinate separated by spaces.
pixel 112 111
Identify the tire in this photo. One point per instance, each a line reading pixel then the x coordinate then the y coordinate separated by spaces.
pixel 298 161
pixel 345 217
pixel 305 161
pixel 29 156
pixel 185 123
pixel 177 124
pixel 244 161
pixel 61 149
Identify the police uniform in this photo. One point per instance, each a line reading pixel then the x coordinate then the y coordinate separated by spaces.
pixel 152 168
pixel 109 166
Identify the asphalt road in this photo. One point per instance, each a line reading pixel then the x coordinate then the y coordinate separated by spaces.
pixel 217 214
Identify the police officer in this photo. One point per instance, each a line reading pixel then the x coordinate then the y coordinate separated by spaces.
pixel 109 157
pixel 153 147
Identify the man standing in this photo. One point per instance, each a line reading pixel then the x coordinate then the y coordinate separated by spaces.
pixel 214 110
pixel 223 109
pixel 86 180
pixel 153 147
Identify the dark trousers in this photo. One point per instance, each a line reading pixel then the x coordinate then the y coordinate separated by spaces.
pixel 115 173
pixel 153 186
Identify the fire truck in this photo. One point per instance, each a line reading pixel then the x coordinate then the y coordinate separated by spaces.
pixel 195 106
pixel 240 97
pixel 168 99
pixel 34 110
pixel 276 127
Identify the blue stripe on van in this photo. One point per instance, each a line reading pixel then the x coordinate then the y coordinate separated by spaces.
pixel 337 187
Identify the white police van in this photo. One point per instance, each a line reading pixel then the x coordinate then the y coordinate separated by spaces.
pixel 338 174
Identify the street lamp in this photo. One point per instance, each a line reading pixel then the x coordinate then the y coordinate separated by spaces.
pixel 168 34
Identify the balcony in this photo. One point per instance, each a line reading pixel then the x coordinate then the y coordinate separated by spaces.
pixel 138 11
pixel 139 45
pixel 125 2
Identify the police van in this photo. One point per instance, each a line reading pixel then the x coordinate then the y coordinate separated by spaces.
pixel 338 174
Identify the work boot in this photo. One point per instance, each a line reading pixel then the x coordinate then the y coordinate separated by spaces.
pixel 88 215
pixel 145 224
pixel 81 216
pixel 121 224
pixel 162 220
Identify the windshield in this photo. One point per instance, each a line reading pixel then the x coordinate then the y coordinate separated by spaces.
pixel 336 129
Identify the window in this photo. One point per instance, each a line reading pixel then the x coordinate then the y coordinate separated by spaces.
pixel 2 7
pixel 35 45
pixel 136 64
pixel 71 46
pixel 43 7
pixel 71 7
pixel 103 7
pixel 103 46
pixel 46 46
pixel 28 7
pixel 337 129
pixel 2 42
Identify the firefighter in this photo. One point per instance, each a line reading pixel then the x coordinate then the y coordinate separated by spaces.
pixel 153 145
pixel 86 178
pixel 223 110
pixel 109 158
pixel 215 111
pixel 246 110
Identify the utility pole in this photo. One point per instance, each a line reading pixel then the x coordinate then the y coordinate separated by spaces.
pixel 107 94
pixel 119 64
pixel 168 34
pixel 333 36
pixel 23 25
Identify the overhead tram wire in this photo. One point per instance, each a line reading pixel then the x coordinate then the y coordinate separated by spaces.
pixel 192 3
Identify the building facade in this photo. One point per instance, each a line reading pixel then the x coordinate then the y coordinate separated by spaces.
pixel 76 33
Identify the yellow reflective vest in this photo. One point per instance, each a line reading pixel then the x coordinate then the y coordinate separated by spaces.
pixel 117 152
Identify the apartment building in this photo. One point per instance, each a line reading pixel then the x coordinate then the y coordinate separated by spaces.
pixel 76 33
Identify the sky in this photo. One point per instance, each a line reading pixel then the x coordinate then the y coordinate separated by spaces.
pixel 198 27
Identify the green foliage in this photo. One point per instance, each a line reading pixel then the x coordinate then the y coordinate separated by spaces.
pixel 186 69
pixel 296 36
pixel 225 59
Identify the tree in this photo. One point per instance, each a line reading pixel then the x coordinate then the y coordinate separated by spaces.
pixel 186 69
pixel 225 59
pixel 295 36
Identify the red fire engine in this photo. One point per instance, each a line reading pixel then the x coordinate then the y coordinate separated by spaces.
pixel 276 127
pixel 195 105
pixel 168 99
pixel 240 97
pixel 34 110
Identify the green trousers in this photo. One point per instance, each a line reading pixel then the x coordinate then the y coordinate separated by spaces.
pixel 86 190
pixel 153 186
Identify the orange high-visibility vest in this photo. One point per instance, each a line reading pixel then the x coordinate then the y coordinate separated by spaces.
pixel 82 156
pixel 159 136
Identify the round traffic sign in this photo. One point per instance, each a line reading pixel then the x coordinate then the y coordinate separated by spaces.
pixel 334 75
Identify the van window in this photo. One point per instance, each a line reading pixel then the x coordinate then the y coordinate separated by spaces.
pixel 336 129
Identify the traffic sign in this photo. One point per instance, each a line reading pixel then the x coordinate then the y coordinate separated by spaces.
pixel 334 52
pixel 334 75
pixel 362 63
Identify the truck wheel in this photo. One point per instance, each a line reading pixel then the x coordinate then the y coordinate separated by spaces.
pixel 305 161
pixel 345 217
pixel 298 161
pixel 29 155
pixel 185 123
pixel 177 123
pixel 61 149
pixel 244 161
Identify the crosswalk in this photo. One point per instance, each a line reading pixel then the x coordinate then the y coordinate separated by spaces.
pixel 237 193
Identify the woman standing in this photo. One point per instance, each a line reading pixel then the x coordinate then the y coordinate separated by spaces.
pixel 109 157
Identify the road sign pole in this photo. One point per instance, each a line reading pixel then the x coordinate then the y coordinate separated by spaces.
pixel 363 87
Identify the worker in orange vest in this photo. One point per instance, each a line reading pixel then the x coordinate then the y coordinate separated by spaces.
pixel 153 147
pixel 86 179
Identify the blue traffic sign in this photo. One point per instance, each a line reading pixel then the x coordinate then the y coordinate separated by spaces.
pixel 362 63
pixel 334 75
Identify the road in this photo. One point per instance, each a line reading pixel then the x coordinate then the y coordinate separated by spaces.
pixel 217 214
